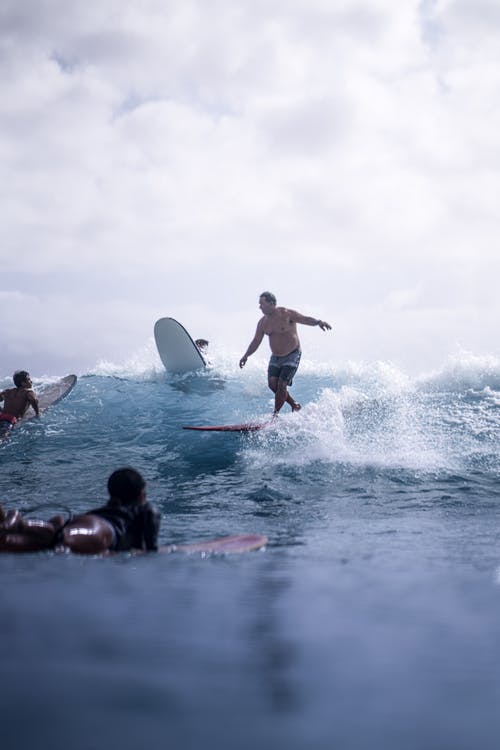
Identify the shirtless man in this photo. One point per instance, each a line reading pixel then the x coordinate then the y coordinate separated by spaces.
pixel 17 401
pixel 280 324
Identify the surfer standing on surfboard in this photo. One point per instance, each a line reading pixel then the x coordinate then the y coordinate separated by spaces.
pixel 17 400
pixel 280 324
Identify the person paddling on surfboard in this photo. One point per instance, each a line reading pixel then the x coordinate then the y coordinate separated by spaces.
pixel 126 522
pixel 280 324
pixel 17 400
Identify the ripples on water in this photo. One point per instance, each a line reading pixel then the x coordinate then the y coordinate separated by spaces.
pixel 370 620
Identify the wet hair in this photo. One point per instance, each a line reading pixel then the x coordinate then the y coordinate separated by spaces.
pixel 269 297
pixel 19 377
pixel 126 485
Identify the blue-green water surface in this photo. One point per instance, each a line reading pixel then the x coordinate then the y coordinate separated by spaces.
pixel 371 619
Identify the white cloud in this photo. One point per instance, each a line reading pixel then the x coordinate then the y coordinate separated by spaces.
pixel 156 155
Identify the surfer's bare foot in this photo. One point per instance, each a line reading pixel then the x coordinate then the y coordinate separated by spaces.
pixel 296 407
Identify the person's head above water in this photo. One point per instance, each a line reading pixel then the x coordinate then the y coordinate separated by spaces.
pixel 268 297
pixel 127 486
pixel 267 303
pixel 20 378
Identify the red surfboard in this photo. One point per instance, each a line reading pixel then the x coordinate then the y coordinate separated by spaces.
pixel 245 427
pixel 224 545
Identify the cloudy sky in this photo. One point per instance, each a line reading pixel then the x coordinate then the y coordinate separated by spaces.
pixel 178 157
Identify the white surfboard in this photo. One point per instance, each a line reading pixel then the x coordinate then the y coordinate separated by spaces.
pixel 50 395
pixel 47 396
pixel 176 348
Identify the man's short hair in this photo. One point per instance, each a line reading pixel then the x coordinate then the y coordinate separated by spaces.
pixel 269 297
pixel 19 377
pixel 126 485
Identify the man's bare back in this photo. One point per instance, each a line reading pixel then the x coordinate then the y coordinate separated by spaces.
pixel 18 400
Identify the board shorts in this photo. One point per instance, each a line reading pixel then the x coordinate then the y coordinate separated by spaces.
pixel 7 422
pixel 4 417
pixel 284 367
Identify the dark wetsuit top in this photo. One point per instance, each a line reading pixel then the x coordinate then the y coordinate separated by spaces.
pixel 136 526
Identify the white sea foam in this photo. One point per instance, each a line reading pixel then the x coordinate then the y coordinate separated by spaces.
pixel 463 371
pixel 459 372
pixel 358 413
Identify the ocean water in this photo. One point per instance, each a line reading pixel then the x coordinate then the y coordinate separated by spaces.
pixel 371 619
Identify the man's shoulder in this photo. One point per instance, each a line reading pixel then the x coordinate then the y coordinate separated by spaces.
pixel 26 392
pixel 279 312
pixel 287 312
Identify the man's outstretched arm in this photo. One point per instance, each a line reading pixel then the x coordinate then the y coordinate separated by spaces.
pixel 308 321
